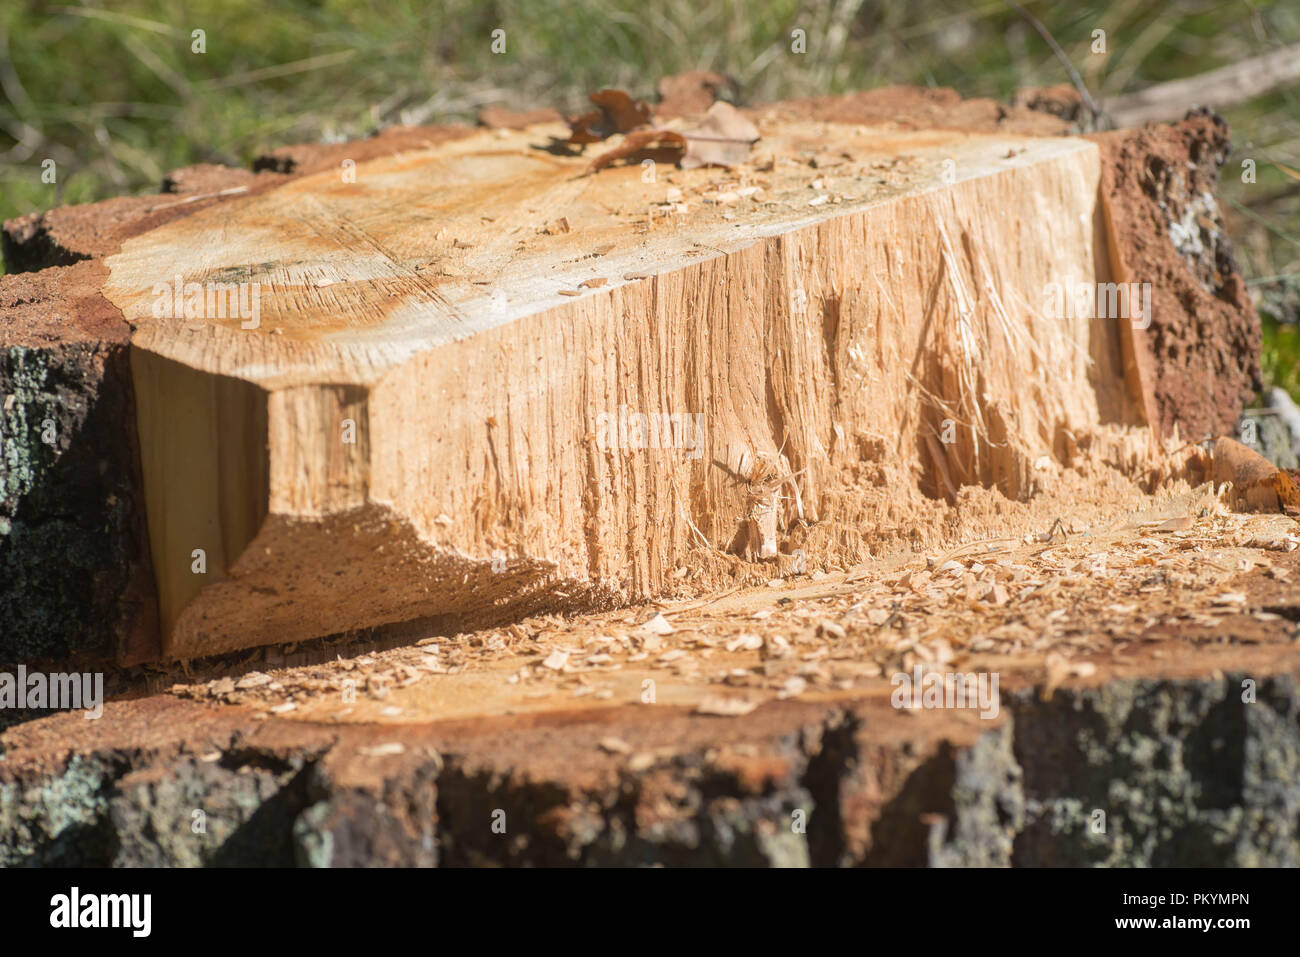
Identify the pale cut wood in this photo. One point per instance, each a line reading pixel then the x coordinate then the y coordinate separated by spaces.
pixel 416 426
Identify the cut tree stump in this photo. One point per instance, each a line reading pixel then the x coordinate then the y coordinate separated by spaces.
pixel 910 458
pixel 433 379
pixel 459 358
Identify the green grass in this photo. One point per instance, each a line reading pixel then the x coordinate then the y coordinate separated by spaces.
pixel 111 91
pixel 1280 356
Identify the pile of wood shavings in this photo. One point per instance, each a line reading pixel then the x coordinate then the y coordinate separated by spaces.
pixel 1055 600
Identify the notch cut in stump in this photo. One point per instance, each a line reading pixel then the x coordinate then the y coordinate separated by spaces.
pixel 470 377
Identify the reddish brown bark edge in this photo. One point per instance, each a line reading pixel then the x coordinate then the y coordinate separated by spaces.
pixel 1200 354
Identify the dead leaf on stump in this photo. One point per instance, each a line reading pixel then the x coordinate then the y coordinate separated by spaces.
pixel 638 142
pixel 723 138
pixel 691 93
pixel 616 112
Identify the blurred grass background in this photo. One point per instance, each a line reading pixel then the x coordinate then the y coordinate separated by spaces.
pixel 112 92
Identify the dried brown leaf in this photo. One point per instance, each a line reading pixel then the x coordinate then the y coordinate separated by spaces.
pixel 692 92
pixel 636 142
pixel 723 139
pixel 616 112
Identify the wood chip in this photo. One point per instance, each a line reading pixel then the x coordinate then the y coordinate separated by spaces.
pixel 658 625
pixel 832 630
pixel 641 761
pixel 1229 598
pixel 556 660
pixel 745 642
pixel 793 687
pixel 385 750
pixel 725 707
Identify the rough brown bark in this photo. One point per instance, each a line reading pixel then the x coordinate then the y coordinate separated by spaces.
pixel 1200 356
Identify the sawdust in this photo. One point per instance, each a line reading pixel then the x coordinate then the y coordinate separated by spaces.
pixel 1051 595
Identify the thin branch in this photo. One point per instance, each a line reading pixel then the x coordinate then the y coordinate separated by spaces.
pixel 1224 87
pixel 1050 40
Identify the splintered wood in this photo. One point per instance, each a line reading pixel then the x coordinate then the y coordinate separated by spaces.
pixel 434 385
